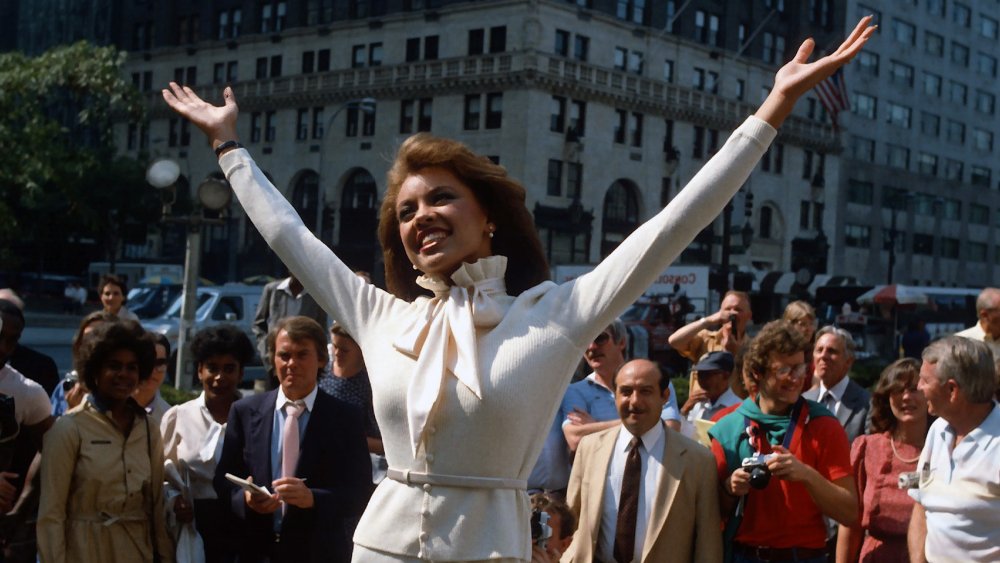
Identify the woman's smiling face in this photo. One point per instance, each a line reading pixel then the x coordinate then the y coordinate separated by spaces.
pixel 441 223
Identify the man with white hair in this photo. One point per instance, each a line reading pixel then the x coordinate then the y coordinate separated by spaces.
pixel 833 356
pixel 957 512
pixel 987 329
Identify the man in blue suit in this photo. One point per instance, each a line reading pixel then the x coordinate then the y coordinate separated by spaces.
pixel 307 448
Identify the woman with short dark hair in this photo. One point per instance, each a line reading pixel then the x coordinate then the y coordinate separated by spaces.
pixel 898 428
pixel 113 293
pixel 102 463
pixel 193 434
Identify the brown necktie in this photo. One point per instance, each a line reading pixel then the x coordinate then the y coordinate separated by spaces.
pixel 628 505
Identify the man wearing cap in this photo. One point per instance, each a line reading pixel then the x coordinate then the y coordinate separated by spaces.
pixel 713 373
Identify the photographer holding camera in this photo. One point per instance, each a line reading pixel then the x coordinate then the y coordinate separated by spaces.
pixel 783 461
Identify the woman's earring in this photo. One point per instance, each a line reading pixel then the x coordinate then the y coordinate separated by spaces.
pixel 414 266
pixel 492 228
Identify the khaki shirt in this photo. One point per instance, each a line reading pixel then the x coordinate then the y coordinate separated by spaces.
pixel 100 489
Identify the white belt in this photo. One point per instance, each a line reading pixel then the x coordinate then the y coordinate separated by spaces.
pixel 420 478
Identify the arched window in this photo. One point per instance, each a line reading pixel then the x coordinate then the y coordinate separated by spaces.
pixel 766 216
pixel 620 216
pixel 305 198
pixel 358 221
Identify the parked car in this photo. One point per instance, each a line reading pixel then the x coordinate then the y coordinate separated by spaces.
pixel 149 301
pixel 233 303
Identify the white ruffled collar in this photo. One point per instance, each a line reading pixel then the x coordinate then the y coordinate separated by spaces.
pixel 443 337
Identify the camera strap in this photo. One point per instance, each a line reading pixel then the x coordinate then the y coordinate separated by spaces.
pixel 757 436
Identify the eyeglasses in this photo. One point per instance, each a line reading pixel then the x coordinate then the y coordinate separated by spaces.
pixel 601 339
pixel 791 372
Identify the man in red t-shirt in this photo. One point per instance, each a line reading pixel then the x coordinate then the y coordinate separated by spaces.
pixel 809 461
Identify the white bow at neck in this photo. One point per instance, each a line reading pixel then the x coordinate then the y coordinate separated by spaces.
pixel 443 338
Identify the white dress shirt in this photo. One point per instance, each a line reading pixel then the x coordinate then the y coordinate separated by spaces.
pixel 294 305
pixel 651 455
pixel 837 391
pixel 707 409
pixel 193 440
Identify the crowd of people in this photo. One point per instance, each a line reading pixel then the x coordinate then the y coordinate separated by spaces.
pixel 468 356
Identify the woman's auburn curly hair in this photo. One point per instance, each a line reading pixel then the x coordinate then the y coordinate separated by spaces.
pixel 109 338
pixel 502 200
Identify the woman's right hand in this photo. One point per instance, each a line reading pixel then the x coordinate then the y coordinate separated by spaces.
pixel 217 122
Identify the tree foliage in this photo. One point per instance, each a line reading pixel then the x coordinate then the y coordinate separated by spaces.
pixel 57 154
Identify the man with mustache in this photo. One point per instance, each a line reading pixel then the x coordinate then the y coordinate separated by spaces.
pixel 589 404
pixel 641 492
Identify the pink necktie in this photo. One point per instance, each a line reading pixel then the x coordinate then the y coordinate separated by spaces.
pixel 290 438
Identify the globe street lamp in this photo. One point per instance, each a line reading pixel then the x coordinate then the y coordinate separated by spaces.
pixel 213 195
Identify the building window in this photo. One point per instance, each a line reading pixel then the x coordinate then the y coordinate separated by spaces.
pixel 270 127
pixel 473 110
pixel 904 32
pixel 706 28
pixel 632 10
pixel 375 54
pixel 581 47
pixel 272 16
pixel 766 222
pixel 302 124
pixel 554 178
pixel 980 176
pixel 901 73
pixel 635 129
pixel 982 140
pixel 986 65
pixel 577 118
pixel 898 115
pixel 985 102
pixel 933 43
pixel 620 125
pixel 319 12
pixel 976 251
pixel 668 70
pixel 923 244
pixel 557 120
pixel 953 170
pixel 496 37
pixel 979 214
pixel 255 127
pixel 927 164
pixel 961 14
pixel 897 156
pixel 186 75
pixel 494 110
pixel 773 159
pixel 317 123
pixel 935 7
pixel 876 15
pixel 868 63
pixel 315 61
pixel 860 192
pixel 229 23
pixel 932 84
pixel 863 148
pixel 930 124
pixel 857 236
pixel 959 54
pixel 574 179
pixel 561 47
pixel 774 48
pixel 958 92
pixel 865 105
pixel 956 132
pixel 406 109
pixel 987 27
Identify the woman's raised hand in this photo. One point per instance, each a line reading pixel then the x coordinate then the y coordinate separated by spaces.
pixel 799 76
pixel 217 122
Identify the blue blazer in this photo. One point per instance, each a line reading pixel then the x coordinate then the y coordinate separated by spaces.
pixel 333 456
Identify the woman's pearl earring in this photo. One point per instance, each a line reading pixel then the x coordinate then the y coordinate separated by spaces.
pixel 414 266
pixel 492 228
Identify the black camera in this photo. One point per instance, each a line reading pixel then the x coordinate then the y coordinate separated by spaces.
pixel 756 466
pixel 541 532
pixel 70 381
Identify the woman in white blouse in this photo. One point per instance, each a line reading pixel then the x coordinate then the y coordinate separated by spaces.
pixel 193 433
pixel 472 350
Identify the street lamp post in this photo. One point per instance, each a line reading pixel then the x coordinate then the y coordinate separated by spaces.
pixel 367 105
pixel 213 195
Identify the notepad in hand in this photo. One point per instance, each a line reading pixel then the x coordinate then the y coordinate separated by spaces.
pixel 252 488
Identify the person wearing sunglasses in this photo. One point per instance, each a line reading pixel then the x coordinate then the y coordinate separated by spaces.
pixel 799 443
pixel 589 404
pixel 147 393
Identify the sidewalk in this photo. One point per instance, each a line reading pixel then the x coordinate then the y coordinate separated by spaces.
pixel 37 319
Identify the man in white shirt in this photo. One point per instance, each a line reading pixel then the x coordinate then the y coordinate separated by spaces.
pixel 987 330
pixel 713 371
pixel 280 299
pixel 650 493
pixel 957 512
pixel 833 356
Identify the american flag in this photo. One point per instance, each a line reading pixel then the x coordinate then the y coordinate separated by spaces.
pixel 832 93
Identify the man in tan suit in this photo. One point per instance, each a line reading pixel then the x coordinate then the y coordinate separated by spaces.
pixel 642 492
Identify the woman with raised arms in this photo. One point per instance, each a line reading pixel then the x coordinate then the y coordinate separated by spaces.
pixel 472 348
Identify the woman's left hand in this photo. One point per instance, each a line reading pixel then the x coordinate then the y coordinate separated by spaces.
pixel 799 75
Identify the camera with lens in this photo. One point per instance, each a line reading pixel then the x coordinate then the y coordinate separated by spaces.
pixel 541 532
pixel 909 480
pixel 70 381
pixel 756 466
